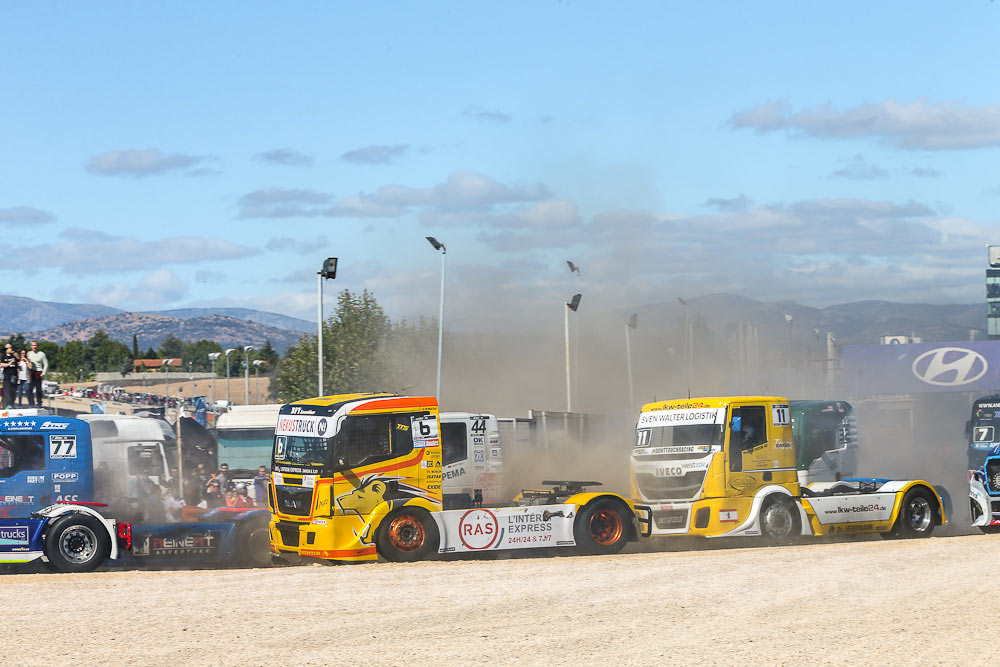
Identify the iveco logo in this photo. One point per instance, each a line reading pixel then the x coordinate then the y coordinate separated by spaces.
pixel 950 366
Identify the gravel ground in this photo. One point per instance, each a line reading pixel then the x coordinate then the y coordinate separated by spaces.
pixel 887 602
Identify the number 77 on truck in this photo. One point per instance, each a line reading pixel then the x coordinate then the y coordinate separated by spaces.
pixel 726 466
pixel 358 476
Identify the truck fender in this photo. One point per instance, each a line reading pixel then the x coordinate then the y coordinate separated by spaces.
pixel 979 497
pixel 752 523
pixel 55 511
pixel 946 506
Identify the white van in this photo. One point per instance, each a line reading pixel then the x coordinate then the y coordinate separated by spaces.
pixel 471 459
pixel 125 446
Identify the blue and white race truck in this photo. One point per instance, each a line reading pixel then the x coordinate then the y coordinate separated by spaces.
pixel 47 465
pixel 984 493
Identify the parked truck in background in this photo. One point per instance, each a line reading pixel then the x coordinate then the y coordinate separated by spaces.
pixel 726 466
pixel 359 476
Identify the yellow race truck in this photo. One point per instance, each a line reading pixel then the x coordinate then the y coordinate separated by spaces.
pixel 358 476
pixel 726 466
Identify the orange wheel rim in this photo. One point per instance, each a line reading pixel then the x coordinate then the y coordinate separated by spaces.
pixel 606 527
pixel 406 533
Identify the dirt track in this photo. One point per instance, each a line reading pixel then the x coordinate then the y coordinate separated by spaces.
pixel 901 602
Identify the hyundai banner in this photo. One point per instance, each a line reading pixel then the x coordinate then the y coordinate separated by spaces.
pixel 921 367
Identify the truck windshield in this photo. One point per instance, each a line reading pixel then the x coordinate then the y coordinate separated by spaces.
pixel 297 450
pixel 674 436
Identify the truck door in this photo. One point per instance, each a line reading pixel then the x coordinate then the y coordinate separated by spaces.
pixel 760 448
pixel 456 461
pixel 23 484
pixel 370 453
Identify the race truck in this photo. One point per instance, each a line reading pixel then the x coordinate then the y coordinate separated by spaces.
pixel 49 461
pixel 65 537
pixel 982 430
pixel 726 466
pixel 984 493
pixel 358 476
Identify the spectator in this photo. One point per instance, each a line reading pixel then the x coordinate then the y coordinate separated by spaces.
pixel 213 496
pixel 173 506
pixel 240 498
pixel 260 487
pixel 41 363
pixel 24 368
pixel 8 362
pixel 223 477
pixel 150 498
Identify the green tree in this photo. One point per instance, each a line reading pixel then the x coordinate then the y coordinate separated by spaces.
pixel 352 338
pixel 103 354
pixel 172 347
pixel 135 346
pixel 197 355
pixel 150 354
pixel 72 357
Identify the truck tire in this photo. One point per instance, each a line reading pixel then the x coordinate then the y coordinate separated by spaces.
pixel 407 535
pixel 253 542
pixel 779 521
pixel 602 527
pixel 990 530
pixel 77 543
pixel 916 514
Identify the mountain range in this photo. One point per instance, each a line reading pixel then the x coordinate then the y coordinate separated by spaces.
pixel 859 322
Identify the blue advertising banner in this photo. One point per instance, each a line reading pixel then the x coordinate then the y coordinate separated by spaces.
pixel 200 410
pixel 921 367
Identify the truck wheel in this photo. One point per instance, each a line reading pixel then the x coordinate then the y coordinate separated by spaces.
pixel 77 543
pixel 990 530
pixel 779 522
pixel 253 542
pixel 601 527
pixel 916 516
pixel 407 535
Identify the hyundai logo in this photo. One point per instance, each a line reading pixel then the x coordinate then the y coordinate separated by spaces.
pixel 950 366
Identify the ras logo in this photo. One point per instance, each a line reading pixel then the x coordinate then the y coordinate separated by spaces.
pixel 950 366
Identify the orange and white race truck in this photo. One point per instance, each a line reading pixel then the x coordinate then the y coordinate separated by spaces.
pixel 726 467
pixel 358 476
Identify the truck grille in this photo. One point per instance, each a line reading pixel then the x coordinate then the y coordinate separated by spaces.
pixel 670 488
pixel 289 533
pixel 294 500
pixel 667 519
pixel 993 476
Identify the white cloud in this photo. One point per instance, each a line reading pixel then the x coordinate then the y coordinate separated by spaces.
pixel 286 157
pixel 375 154
pixel 161 287
pixel 101 252
pixel 918 125
pixel 25 215
pixel 141 163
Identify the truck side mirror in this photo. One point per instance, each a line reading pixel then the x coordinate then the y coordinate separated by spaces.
pixel 968 428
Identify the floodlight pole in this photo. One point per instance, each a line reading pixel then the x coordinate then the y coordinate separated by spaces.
pixel 213 356
pixel 438 245
pixel 628 360
pixel 569 395
pixel 228 399
pixel 319 329
pixel 247 349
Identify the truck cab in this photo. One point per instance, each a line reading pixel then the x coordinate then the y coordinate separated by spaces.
pixel 825 435
pixel 43 460
pixel 982 430
pixel 727 466
pixel 471 459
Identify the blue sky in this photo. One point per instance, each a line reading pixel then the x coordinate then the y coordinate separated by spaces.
pixel 214 153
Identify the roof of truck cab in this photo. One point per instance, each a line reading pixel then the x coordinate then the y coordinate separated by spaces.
pixel 370 403
pixel 707 402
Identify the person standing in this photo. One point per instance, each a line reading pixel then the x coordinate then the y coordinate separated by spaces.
pixel 260 487
pixel 8 362
pixel 24 368
pixel 41 362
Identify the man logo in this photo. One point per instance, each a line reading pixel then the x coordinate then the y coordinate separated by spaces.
pixel 950 366
pixel 321 428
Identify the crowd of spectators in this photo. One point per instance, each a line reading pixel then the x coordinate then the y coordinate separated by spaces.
pixel 23 371
pixel 203 490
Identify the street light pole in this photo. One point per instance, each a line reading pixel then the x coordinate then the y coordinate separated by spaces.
pixel 213 356
pixel 329 271
pixel 228 399
pixel 632 323
pixel 438 245
pixel 247 349
pixel 572 304
pixel 688 342
pixel 257 363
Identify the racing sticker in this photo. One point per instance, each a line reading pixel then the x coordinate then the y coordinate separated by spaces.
pixel 982 434
pixel 62 446
pixel 304 426
pixel 780 414
pixel 14 536
pixel 506 528
pixel 677 417
pixel 728 516
pixel 425 431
